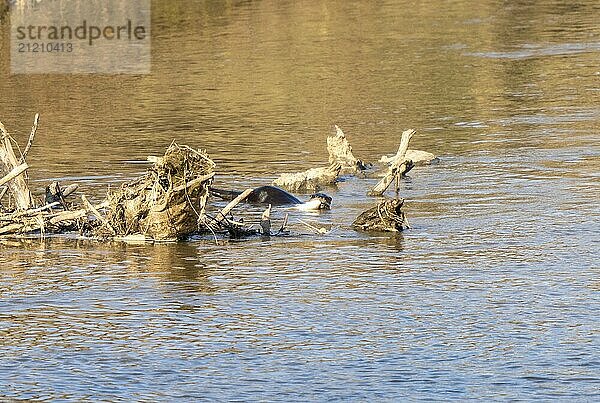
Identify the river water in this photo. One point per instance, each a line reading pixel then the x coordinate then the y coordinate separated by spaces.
pixel 493 294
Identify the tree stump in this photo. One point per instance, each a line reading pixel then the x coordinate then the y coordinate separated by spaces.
pixel 386 216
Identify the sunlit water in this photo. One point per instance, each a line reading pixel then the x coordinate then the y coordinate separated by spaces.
pixel 493 294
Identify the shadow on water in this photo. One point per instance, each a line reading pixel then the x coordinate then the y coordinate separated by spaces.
pixel 173 265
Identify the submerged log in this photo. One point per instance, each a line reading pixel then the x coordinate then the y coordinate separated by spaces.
pixel 399 166
pixel 386 216
pixel 340 151
pixel 311 180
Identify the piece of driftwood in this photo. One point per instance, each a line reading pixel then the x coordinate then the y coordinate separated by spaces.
pixel 311 180
pixel 341 161
pixel 386 216
pixel 283 228
pixel 40 220
pixel 316 228
pixel 167 203
pixel 35 211
pixel 18 170
pixel 399 166
pixel 418 157
pixel 224 221
pixel 74 215
pixel 265 221
pixel 3 191
pixel 227 209
pixel 36 121
pixel 340 151
pixel 9 162
pixel 55 193
pixel 91 209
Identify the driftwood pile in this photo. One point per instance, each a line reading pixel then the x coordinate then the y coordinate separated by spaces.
pixel 20 214
pixel 167 203
pixel 387 214
pixel 170 201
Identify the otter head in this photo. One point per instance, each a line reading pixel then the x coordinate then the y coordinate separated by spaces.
pixel 324 200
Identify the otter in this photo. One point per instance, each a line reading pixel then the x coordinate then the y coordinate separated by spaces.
pixel 277 197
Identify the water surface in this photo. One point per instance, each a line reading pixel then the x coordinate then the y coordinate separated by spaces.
pixel 493 294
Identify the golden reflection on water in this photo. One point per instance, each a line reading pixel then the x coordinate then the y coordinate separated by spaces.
pixel 500 261
pixel 226 75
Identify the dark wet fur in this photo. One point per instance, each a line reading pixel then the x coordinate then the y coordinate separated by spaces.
pixel 261 195
pixel 271 195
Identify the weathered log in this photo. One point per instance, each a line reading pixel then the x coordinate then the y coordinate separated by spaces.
pixel 386 216
pixel 16 171
pixel 35 211
pixel 399 166
pixel 418 157
pixel 13 228
pixel 9 161
pixel 64 216
pixel 240 198
pixel 68 216
pixel 311 180
pixel 340 151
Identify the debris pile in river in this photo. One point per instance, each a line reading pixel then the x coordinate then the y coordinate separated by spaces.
pixel 20 214
pixel 170 200
pixel 166 203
